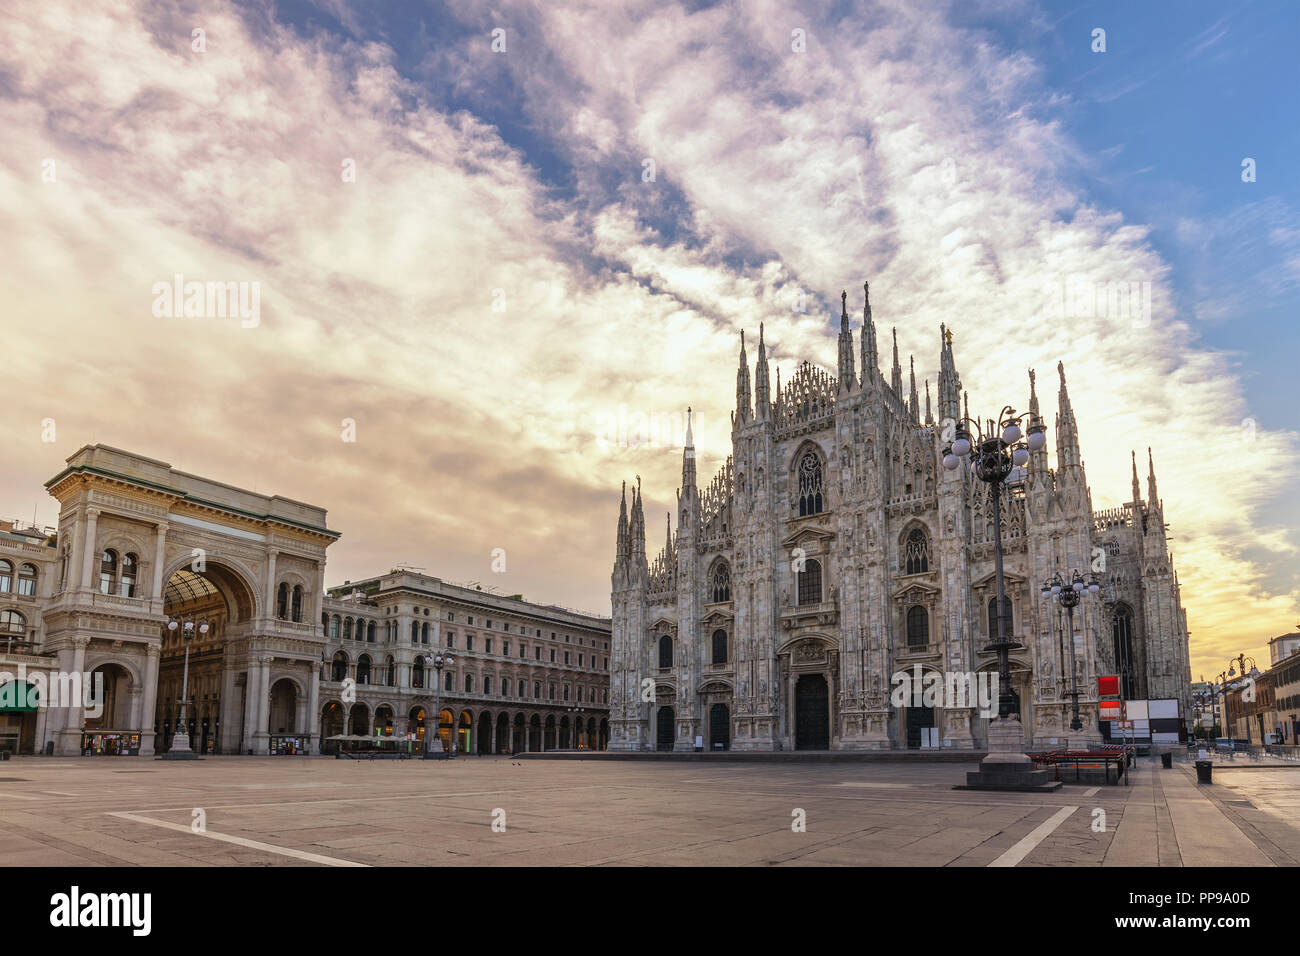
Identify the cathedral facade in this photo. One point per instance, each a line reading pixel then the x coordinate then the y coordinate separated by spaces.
pixel 833 553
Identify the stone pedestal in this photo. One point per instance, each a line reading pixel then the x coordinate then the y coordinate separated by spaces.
pixel 1006 767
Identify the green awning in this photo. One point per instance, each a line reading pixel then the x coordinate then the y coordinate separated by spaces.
pixel 18 697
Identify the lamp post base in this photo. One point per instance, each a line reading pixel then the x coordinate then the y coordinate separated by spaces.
pixel 435 751
pixel 180 750
pixel 1006 767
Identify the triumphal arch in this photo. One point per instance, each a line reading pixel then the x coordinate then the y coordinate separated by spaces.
pixel 141 544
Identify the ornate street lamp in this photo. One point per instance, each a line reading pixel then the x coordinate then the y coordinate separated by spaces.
pixel 1068 593
pixel 992 451
pixel 433 742
pixel 180 748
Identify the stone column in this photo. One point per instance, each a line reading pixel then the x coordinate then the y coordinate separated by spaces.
pixel 251 678
pixel 228 738
pixel 159 559
pixel 88 557
pixel 312 725
pixel 318 603
pixel 150 706
pixel 71 661
pixel 261 744
pixel 271 609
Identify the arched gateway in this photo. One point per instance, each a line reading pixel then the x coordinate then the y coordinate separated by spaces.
pixel 142 544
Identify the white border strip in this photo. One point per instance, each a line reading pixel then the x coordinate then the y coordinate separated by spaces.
pixel 239 841
pixel 1039 834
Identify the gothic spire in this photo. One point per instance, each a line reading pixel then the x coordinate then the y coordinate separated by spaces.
pixel 949 383
pixel 762 382
pixel 623 548
pixel 1037 459
pixel 870 361
pixel 742 384
pixel 929 417
pixel 638 524
pixel 688 457
pixel 913 404
pixel 1067 431
pixel 847 377
pixel 896 376
pixel 1137 489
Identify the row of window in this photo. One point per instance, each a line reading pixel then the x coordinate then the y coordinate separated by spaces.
pixel 918 631
pixel 361 630
pixel 365 675
pixel 915 559
pixel 719 642
pixel 26 578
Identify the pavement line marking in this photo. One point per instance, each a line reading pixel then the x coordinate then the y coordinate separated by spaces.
pixel 1092 792
pixel 368 799
pixel 1040 833
pixel 18 796
pixel 61 793
pixel 240 841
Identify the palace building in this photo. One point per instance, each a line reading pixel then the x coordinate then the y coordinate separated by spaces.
pixel 281 665
pixel 833 551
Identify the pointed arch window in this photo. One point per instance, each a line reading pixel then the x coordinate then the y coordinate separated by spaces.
pixel 719 646
pixel 810 582
pixel 810 485
pixel 993 617
pixel 916 552
pixel 1123 639
pixel 665 652
pixel 720 583
pixel 918 626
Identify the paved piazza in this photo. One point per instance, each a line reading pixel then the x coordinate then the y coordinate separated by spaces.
pixel 310 811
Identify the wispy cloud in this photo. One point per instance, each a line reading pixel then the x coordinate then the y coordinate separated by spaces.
pixel 897 148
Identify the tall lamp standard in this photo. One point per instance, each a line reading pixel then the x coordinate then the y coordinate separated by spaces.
pixel 433 742
pixel 1068 593
pixel 180 748
pixel 992 450
pixel 1237 667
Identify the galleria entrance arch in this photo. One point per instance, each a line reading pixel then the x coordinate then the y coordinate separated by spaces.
pixel 141 544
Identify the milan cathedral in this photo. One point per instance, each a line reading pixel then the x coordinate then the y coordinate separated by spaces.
pixel 833 551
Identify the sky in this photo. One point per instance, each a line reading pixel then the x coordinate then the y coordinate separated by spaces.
pixel 485 237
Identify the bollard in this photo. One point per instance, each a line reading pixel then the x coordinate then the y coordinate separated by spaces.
pixel 1203 770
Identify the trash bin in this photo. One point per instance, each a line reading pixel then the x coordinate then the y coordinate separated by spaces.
pixel 1167 760
pixel 1203 768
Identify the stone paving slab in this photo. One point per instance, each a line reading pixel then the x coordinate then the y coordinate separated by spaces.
pixel 612 813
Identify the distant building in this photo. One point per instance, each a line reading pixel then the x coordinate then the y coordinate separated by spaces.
pixel 140 544
pixel 524 677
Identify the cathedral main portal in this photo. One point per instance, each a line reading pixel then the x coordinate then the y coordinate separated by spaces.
pixel 812 728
